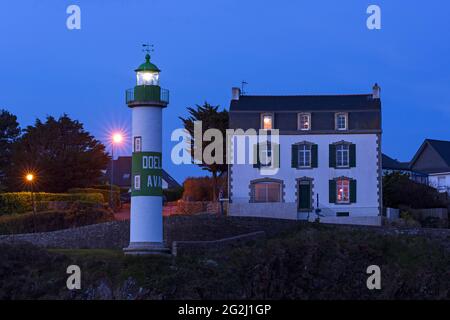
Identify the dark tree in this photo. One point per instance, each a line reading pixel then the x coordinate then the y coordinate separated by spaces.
pixel 62 154
pixel 211 118
pixel 9 133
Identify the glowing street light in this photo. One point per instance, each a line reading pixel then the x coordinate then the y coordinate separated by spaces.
pixel 29 178
pixel 117 138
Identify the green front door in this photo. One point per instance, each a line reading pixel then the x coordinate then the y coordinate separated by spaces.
pixel 304 198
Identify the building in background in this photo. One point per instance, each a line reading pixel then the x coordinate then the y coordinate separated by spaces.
pixel 394 166
pixel 433 158
pixel 329 158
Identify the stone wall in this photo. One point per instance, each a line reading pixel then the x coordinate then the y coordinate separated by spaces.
pixel 184 229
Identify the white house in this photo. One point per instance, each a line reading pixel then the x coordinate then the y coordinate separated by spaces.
pixel 433 158
pixel 326 159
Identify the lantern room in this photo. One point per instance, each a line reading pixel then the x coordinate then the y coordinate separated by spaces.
pixel 147 74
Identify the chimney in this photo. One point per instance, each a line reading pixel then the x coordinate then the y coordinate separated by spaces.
pixel 235 93
pixel 376 91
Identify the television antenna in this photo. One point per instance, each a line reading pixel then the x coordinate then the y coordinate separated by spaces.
pixel 243 84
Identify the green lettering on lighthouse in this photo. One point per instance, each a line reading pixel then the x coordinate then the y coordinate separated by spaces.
pixel 146 174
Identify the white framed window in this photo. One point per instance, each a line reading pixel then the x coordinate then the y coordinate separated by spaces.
pixel 343 190
pixel 441 181
pixel 342 156
pixel 304 156
pixel 137 144
pixel 267 121
pixel 304 121
pixel 137 182
pixel 267 192
pixel 341 120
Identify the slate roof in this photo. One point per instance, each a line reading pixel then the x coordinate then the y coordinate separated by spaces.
pixel 393 164
pixel 122 166
pixel 442 147
pixel 306 103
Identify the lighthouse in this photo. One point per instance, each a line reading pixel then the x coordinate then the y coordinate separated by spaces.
pixel 146 101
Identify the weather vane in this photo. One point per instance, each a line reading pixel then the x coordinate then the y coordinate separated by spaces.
pixel 148 48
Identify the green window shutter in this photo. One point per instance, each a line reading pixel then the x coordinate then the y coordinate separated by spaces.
pixel 332 191
pixel 332 156
pixel 294 156
pixel 352 191
pixel 314 156
pixel 352 155
pixel 256 163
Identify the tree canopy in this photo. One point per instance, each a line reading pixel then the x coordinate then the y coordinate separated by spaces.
pixel 60 153
pixel 9 133
pixel 211 118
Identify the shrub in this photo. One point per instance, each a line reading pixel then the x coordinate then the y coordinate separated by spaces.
pixel 106 187
pixel 399 189
pixel 20 202
pixel 53 220
pixel 105 194
pixel 201 189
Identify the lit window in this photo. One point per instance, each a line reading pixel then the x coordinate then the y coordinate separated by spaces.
pixel 341 121
pixel 304 121
pixel 342 155
pixel 267 192
pixel 343 190
pixel 137 182
pixel 267 121
pixel 304 156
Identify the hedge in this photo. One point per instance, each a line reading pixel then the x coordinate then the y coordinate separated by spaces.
pixel 53 220
pixel 105 194
pixel 20 202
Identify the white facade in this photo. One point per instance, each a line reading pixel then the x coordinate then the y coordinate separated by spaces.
pixel 365 210
pixel 440 181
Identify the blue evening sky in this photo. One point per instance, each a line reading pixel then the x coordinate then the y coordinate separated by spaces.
pixel 204 47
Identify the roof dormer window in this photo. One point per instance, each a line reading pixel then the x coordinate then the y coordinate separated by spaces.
pixel 267 121
pixel 341 121
pixel 304 121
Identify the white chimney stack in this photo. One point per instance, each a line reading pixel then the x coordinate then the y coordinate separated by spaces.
pixel 376 91
pixel 235 93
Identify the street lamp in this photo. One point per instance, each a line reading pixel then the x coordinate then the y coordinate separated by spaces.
pixel 117 139
pixel 29 178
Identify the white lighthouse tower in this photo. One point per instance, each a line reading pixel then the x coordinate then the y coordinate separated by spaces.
pixel 146 100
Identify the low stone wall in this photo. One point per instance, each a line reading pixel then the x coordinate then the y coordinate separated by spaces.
pixel 182 207
pixel 215 230
pixel 109 235
pixel 364 221
pixel 180 248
